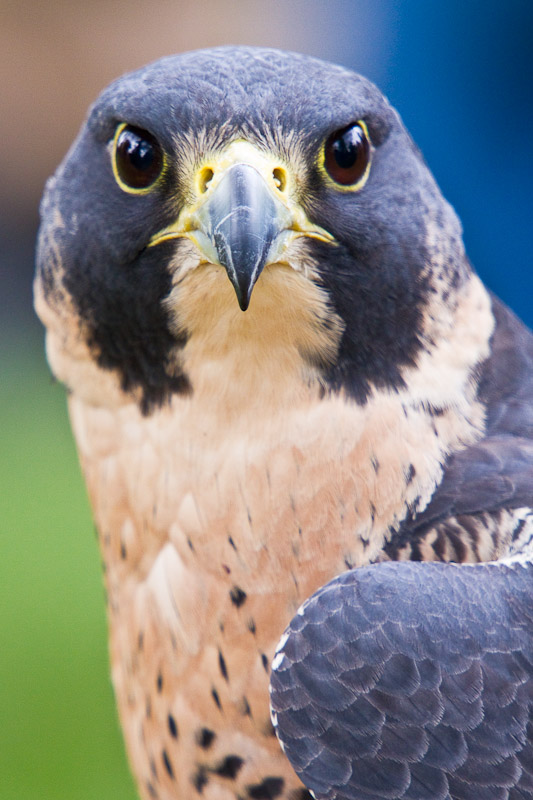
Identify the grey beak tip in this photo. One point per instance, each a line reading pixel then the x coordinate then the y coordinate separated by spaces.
pixel 243 295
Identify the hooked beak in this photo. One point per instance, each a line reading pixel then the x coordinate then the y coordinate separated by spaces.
pixel 243 219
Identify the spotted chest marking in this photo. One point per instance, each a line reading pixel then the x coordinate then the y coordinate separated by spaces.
pixel 213 524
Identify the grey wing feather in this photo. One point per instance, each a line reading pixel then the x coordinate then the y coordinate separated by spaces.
pixel 411 681
pixel 496 473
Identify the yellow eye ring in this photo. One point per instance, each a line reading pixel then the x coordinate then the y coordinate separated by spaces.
pixel 138 160
pixel 346 156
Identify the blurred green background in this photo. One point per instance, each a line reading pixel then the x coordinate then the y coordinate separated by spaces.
pixel 461 75
pixel 58 735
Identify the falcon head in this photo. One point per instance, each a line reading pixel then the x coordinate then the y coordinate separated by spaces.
pixel 242 211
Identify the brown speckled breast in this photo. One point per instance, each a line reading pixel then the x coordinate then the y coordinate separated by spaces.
pixel 214 532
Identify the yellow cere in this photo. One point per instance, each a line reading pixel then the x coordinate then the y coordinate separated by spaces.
pixel 277 177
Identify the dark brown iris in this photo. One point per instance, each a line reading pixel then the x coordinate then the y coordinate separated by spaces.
pixel 347 154
pixel 138 157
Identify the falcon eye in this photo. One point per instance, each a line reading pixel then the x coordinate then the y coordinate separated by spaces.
pixel 137 159
pixel 347 156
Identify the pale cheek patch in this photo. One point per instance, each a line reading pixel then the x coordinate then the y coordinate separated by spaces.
pixel 460 340
pixel 457 324
pixel 69 356
pixel 71 359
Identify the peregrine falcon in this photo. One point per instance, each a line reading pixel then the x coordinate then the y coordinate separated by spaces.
pixel 288 387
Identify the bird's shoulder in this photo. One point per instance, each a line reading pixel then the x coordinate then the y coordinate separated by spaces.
pixel 484 502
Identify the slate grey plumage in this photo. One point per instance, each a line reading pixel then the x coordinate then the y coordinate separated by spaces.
pixel 405 680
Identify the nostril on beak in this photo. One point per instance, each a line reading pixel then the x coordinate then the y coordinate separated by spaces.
pixel 204 179
pixel 280 178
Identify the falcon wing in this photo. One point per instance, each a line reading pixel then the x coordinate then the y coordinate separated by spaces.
pixel 412 681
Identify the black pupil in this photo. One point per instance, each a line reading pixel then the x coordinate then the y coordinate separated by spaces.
pixel 138 158
pixel 346 147
pixel 140 152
